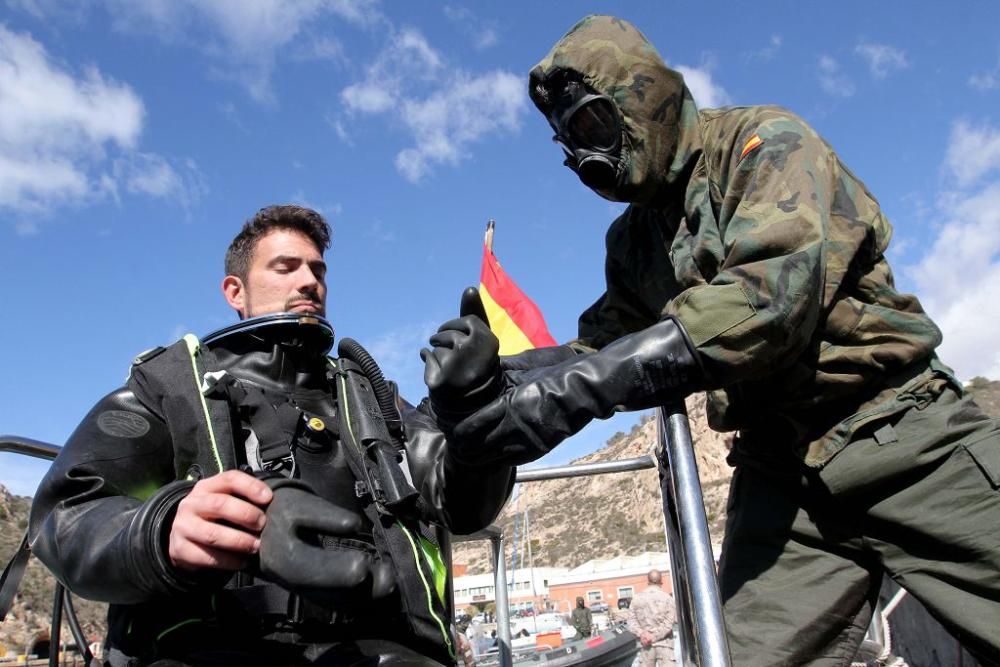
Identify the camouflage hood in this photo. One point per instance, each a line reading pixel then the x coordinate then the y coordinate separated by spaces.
pixel 659 118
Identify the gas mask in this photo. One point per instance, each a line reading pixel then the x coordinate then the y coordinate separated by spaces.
pixel 589 130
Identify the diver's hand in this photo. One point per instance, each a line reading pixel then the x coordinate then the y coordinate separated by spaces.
pixel 462 370
pixel 218 523
pixel 314 547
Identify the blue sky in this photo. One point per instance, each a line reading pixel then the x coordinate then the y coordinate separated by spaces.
pixel 137 135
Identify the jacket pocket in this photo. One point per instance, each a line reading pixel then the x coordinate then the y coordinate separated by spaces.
pixel 986 453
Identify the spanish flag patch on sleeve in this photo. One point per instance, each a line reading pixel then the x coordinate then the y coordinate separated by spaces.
pixel 751 144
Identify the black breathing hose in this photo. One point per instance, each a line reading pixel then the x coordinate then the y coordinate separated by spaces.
pixel 353 350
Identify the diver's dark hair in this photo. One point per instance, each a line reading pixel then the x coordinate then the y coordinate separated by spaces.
pixel 286 216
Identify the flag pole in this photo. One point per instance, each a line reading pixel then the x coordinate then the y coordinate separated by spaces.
pixel 488 239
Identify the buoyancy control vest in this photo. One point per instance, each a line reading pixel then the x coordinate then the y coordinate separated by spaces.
pixel 219 419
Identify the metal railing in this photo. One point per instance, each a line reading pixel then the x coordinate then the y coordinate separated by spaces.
pixel 62 602
pixel 36 448
pixel 701 626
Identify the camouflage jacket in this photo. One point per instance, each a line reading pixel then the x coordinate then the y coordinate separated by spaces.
pixel 652 611
pixel 746 226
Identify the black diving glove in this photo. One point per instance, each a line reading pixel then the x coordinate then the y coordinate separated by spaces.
pixel 462 371
pixel 314 548
pixel 638 371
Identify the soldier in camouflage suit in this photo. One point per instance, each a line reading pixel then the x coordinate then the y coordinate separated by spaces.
pixel 856 452
pixel 652 611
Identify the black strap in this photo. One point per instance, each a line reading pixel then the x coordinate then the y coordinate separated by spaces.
pixel 12 574
pixel 264 599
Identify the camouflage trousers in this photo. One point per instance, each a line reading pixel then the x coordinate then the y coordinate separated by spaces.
pixel 915 496
pixel 657 656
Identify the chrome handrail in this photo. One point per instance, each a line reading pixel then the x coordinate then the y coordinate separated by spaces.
pixel 702 627
pixel 700 620
pixel 62 599
pixel 36 448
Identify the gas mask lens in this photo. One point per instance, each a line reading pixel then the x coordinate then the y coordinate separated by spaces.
pixel 593 124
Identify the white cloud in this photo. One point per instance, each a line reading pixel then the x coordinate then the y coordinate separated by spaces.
pixel 367 97
pixel 340 128
pixel 767 53
pixel 482 35
pixel 152 175
pixel 458 110
pixel 832 80
pixel 882 58
pixel 246 36
pixel 446 122
pixel 408 57
pixel 410 43
pixel 959 279
pixel 959 275
pixel 706 93
pixel 986 80
pixel 71 139
pixel 973 151
pixel 55 129
pixel 381 232
pixel 326 210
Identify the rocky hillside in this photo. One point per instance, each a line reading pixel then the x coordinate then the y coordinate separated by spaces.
pixel 31 616
pixel 574 520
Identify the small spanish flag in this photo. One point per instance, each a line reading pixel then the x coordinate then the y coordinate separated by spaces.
pixel 514 318
pixel 751 144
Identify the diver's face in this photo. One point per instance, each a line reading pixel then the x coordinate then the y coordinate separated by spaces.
pixel 286 274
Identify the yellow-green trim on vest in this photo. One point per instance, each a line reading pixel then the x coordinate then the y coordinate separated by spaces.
pixel 194 349
pixel 430 600
pixel 432 555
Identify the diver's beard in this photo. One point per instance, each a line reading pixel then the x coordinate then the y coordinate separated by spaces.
pixel 250 312
pixel 296 300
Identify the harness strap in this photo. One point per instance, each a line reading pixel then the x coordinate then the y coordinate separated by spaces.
pixel 12 574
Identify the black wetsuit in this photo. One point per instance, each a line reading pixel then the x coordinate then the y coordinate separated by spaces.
pixel 102 515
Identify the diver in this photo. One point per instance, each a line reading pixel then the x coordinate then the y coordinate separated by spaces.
pixel 246 499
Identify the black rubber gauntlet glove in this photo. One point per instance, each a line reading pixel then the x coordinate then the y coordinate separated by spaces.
pixel 462 371
pixel 312 547
pixel 638 371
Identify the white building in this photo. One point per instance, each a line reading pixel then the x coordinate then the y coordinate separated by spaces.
pixel 525 587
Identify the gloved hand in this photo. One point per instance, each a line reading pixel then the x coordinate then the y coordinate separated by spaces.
pixel 312 547
pixel 638 371
pixel 536 357
pixel 462 371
